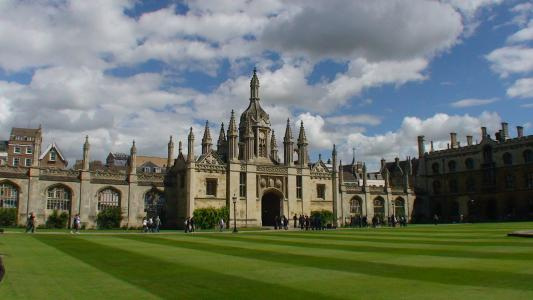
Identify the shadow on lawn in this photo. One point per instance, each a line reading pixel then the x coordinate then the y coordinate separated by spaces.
pixel 463 277
pixel 167 279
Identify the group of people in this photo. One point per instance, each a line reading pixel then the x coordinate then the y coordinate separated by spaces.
pixel 281 222
pixel 189 225
pixel 306 222
pixel 151 224
pixel 30 223
pixel 377 221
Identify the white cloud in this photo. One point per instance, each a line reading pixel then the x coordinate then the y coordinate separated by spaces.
pixel 472 102
pixel 522 88
pixel 510 60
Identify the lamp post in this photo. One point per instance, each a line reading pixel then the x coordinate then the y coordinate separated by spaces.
pixel 234 214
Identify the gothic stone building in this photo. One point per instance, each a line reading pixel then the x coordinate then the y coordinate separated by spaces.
pixel 489 180
pixel 245 166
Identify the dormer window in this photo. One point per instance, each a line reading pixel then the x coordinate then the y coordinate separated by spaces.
pixel 53 156
pixel 29 150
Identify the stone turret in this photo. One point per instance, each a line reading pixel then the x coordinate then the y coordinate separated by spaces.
pixel 274 147
pixel 222 142
pixel 86 147
pixel 288 145
pixel 207 142
pixel 190 146
pixel 249 144
pixel 133 159
pixel 421 147
pixel 233 146
pixel 170 153
pixel 254 86
pixel 302 146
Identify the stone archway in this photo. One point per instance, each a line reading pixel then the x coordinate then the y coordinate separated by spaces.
pixel 270 206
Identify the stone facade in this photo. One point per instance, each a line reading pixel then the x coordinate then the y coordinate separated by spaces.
pixel 489 180
pixel 245 167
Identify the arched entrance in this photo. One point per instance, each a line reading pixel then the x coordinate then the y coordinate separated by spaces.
pixel 270 207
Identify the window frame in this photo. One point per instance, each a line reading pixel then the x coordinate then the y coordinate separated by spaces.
pixel 211 185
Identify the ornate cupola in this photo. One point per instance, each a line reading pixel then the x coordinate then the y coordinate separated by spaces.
pixel 258 120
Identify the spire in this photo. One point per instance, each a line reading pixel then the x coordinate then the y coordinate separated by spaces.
pixel 273 142
pixel 334 151
pixel 170 153
pixel 288 132
pixel 190 146
pixel 133 149
pixel 180 148
pixel 232 127
pixel 353 156
pixel 221 137
pixel 86 147
pixel 133 158
pixel 254 87
pixel 206 139
pixel 274 147
pixel 302 139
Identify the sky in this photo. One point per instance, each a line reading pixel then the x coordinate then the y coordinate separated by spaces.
pixel 364 75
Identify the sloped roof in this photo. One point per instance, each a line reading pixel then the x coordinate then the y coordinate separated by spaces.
pixel 160 162
pixel 49 148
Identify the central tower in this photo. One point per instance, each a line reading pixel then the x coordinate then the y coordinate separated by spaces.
pixel 255 134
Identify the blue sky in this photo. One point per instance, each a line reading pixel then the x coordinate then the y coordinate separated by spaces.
pixel 373 75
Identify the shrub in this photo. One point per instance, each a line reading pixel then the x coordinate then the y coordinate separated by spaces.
pixel 326 216
pixel 207 218
pixel 8 216
pixel 57 220
pixel 109 218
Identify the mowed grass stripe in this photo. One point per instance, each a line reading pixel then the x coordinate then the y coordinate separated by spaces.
pixel 398 239
pixel 173 280
pixel 384 248
pixel 485 279
pixel 407 233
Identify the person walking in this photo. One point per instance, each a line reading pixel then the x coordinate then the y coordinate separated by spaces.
pixel 145 225
pixel 295 218
pixel 76 224
pixel 436 219
pixel 221 224
pixel 186 225
pixel 30 227
pixel 157 223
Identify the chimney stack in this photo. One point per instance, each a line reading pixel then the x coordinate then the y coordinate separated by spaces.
pixel 469 140
pixel 505 131
pixel 520 131
pixel 453 140
pixel 421 147
pixel 483 133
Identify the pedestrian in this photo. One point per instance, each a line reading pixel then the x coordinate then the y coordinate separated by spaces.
pixel 76 224
pixel 145 225
pixel 31 223
pixel 191 223
pixel 151 225
pixel 157 223
pixel 186 225
pixel 295 218
pixel 306 222
pixel 302 222
pixel 285 223
pixel 28 223
pixel 221 224
pixel 436 219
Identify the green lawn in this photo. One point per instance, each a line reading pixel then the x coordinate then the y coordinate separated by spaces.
pixel 471 261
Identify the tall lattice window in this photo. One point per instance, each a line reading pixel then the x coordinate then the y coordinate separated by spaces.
pixel 321 191
pixel 59 198
pixel 355 206
pixel 242 184
pixel 8 196
pixel 299 187
pixel 211 186
pixel 399 207
pixel 108 198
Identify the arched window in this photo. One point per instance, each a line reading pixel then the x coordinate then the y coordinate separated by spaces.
pixel 436 187
pixel 507 159
pixel 379 207
pixel 452 166
pixel 8 195
pixel 528 156
pixel 58 197
pixel 355 206
pixel 399 207
pixel 469 163
pixel 435 168
pixel 509 181
pixel 108 198
pixel 154 203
